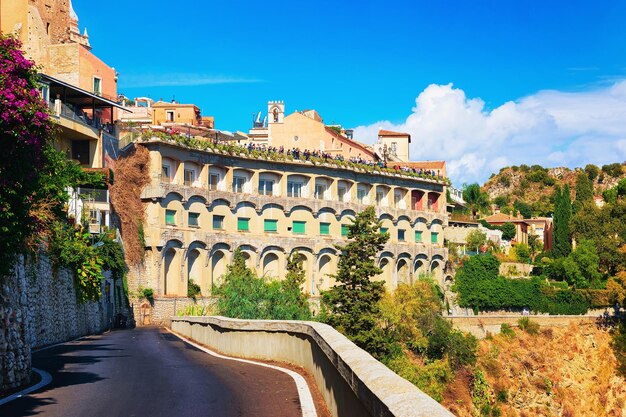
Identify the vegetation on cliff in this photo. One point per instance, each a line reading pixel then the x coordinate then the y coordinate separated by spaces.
pixel 529 190
pixel 573 374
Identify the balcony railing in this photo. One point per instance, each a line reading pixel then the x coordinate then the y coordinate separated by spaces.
pixel 75 114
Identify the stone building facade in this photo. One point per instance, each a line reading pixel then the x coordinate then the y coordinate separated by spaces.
pixel 50 37
pixel 202 205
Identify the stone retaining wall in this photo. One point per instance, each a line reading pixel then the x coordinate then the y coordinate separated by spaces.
pixel 480 326
pixel 39 307
pixel 351 381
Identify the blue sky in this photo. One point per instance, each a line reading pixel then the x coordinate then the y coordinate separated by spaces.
pixel 366 63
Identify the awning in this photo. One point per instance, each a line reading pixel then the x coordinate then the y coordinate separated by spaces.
pixel 77 96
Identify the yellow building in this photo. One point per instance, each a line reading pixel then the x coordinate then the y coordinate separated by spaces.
pixel 201 205
pixel 164 113
pixel 305 130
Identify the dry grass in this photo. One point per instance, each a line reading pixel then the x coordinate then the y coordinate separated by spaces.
pixel 561 372
pixel 131 175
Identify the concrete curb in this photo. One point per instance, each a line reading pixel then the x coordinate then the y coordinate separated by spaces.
pixel 306 399
pixel 46 378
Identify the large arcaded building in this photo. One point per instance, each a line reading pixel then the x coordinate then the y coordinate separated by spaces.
pixel 201 205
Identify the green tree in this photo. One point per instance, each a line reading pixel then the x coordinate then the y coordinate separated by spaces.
pixel 592 171
pixel 524 209
pixel 606 227
pixel 476 199
pixel 353 302
pixel 584 191
pixel 535 245
pixel 501 200
pixel 579 268
pixel 245 295
pixel 508 231
pixel 293 304
pixel 610 195
pixel 613 170
pixel 562 216
pixel 476 239
pixel 621 188
pixel 522 252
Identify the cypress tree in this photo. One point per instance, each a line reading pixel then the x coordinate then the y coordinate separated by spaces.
pixel 353 302
pixel 584 191
pixel 562 216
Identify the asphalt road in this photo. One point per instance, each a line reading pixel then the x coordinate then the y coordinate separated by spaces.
pixel 150 372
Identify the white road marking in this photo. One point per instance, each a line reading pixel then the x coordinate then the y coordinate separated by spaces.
pixel 46 378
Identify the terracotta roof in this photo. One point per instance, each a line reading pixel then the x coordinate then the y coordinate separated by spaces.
pixel 383 132
pixel 503 218
pixel 352 142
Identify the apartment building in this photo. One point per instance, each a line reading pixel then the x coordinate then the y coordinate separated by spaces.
pixel 202 204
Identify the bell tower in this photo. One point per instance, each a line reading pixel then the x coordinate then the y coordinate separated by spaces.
pixel 275 111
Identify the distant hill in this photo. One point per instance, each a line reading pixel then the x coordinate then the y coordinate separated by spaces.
pixel 534 185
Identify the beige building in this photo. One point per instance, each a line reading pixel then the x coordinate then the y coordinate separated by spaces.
pixel 48 30
pixel 522 228
pixel 201 205
pixel 393 146
pixel 305 130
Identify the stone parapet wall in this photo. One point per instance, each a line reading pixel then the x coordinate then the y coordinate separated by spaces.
pixel 162 309
pixel 351 381
pixel 39 307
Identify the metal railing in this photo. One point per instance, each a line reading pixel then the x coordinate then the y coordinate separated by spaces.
pixel 70 112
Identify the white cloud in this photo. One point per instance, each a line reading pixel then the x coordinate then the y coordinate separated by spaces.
pixel 550 128
pixel 178 80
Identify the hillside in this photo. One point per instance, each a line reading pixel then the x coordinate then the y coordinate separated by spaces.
pixel 558 372
pixel 535 185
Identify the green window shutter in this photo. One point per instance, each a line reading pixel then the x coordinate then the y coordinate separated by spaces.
pixel 434 237
pixel 324 228
pixel 418 236
pixel 299 227
pixel 218 222
pixel 384 230
pixel 170 216
pixel 401 235
pixel 344 230
pixel 270 225
pixel 193 219
pixel 243 224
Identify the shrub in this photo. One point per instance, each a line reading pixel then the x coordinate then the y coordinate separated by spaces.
pixel 619 346
pixel 431 378
pixel 613 170
pixel 193 289
pixel 508 231
pixel 505 180
pixel 147 293
pixel 507 331
pixel 245 295
pixel 522 252
pixel 597 298
pixel 502 396
pixel 528 325
pixel 482 394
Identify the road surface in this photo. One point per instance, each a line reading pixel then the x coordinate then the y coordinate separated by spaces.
pixel 150 372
